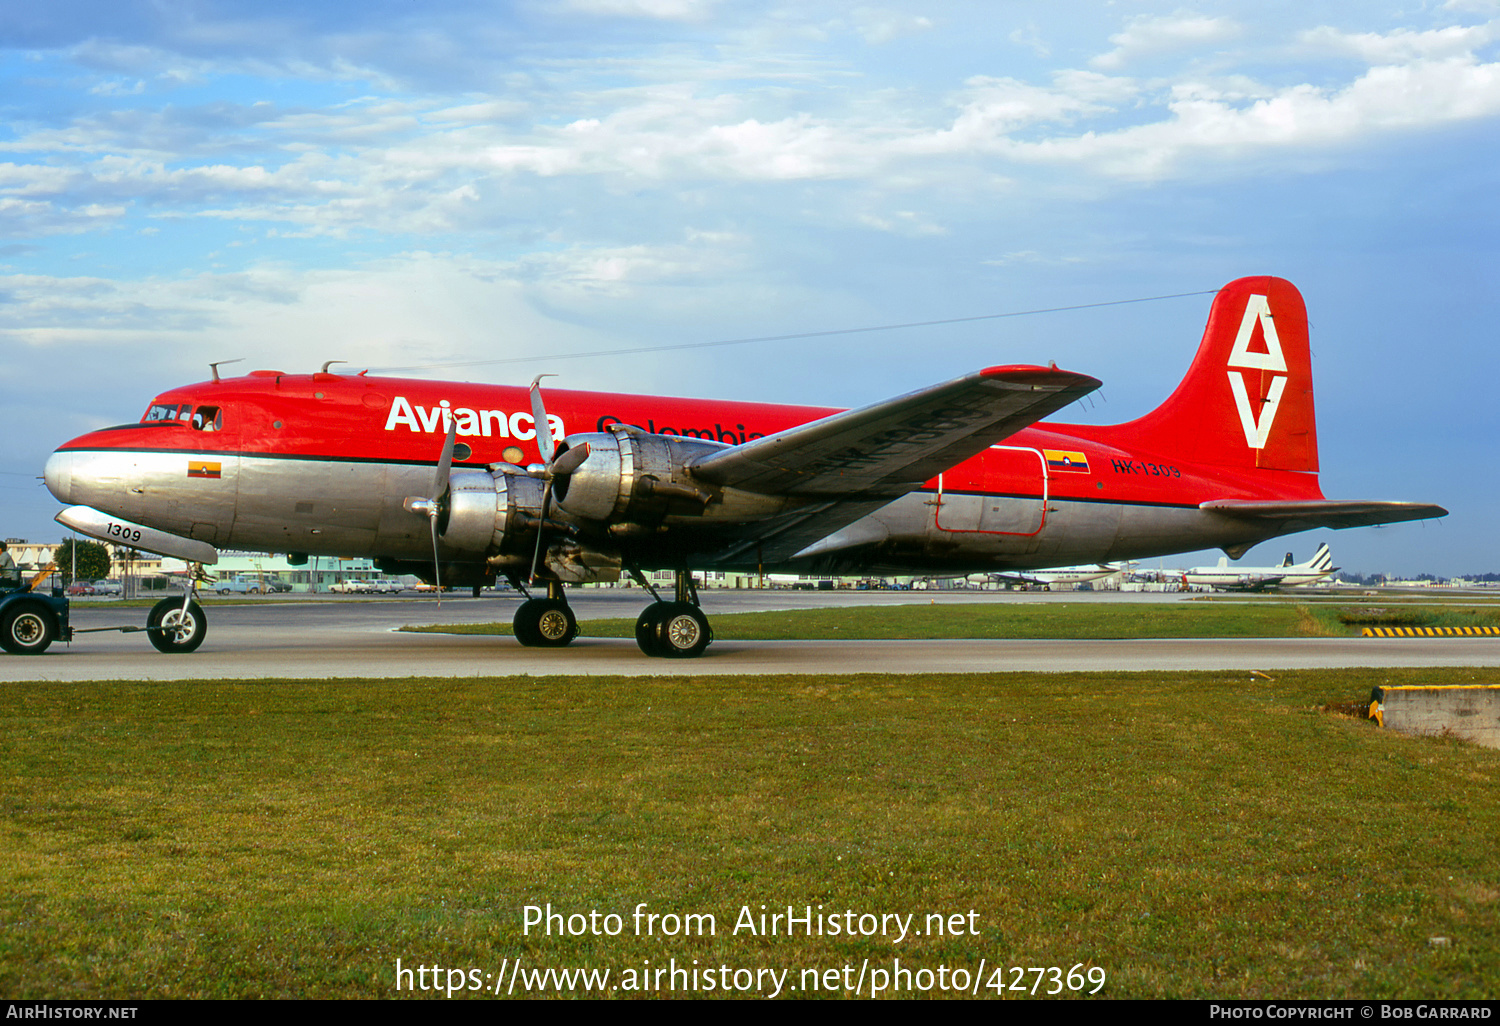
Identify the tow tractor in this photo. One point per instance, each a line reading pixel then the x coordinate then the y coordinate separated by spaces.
pixel 35 614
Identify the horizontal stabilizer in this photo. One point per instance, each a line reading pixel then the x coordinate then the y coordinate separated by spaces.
pixel 1305 515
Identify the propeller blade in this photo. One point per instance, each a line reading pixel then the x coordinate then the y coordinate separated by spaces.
pixel 539 415
pixel 437 569
pixel 431 506
pixel 569 460
pixel 541 527
pixel 445 464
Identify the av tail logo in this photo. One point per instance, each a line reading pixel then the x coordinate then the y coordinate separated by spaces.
pixel 1257 429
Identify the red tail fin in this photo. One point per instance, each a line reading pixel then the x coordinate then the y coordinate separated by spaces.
pixel 1247 400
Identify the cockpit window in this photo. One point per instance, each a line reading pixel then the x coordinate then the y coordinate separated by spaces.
pixel 208 418
pixel 161 411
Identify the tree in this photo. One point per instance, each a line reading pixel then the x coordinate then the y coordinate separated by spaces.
pixel 93 560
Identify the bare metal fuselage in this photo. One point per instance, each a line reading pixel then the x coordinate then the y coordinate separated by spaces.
pixel 354 508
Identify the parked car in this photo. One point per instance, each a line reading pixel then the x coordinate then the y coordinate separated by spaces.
pixel 241 585
pixel 80 588
pixel 108 587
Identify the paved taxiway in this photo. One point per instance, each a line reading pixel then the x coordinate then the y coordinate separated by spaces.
pixel 332 639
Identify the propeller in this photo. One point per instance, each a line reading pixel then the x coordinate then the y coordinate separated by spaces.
pixel 555 464
pixel 539 417
pixel 432 507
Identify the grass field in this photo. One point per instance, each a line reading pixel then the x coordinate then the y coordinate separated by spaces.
pixel 1192 834
pixel 1066 620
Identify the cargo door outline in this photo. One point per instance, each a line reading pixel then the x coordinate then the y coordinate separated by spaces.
pixel 986 500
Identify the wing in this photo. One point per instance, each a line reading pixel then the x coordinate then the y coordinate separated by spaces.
pixel 886 450
pixel 1295 516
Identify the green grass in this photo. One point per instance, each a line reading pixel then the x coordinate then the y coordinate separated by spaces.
pixel 1068 620
pixel 1194 834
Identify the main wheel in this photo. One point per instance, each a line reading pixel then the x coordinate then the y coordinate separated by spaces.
pixel 648 628
pixel 545 623
pixel 682 632
pixel 27 629
pixel 174 629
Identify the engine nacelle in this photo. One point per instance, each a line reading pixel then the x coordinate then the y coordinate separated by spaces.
pixel 632 476
pixel 495 517
pixel 491 514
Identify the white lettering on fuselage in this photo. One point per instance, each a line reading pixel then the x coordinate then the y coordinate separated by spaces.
pixel 422 420
pixel 1257 429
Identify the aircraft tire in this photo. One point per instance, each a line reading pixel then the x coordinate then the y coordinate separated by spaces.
pixel 682 631
pixel 27 629
pixel 648 627
pixel 545 623
pixel 173 629
pixel 524 624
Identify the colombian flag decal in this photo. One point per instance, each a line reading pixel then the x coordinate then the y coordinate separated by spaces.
pixel 1062 459
pixel 201 468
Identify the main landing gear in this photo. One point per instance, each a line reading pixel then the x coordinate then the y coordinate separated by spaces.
pixel 546 622
pixel 677 629
pixel 671 630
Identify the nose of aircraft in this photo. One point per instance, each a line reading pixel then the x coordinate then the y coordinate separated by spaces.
pixel 59 476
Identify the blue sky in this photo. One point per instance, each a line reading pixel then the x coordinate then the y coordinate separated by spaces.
pixel 404 185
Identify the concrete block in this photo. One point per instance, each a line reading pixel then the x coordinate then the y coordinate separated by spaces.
pixel 1467 711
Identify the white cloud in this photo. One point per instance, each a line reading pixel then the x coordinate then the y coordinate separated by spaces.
pixel 116 88
pixel 30 218
pixel 1403 45
pixel 992 109
pixel 879 25
pixel 450 163
pixel 1299 118
pixel 902 222
pixel 1031 38
pixel 591 272
pixel 1152 36
pixel 665 10
pixel 414 308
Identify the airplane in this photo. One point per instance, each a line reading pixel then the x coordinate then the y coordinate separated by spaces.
pixel 1051 576
pixel 461 482
pixel 1260 578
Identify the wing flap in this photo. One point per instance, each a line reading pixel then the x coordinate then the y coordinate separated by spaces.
pixel 1306 515
pixel 887 449
pixel 800 533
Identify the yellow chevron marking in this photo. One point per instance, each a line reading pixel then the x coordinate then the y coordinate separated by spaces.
pixel 1430 632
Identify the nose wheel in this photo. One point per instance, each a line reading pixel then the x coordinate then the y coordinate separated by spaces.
pixel 176 626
